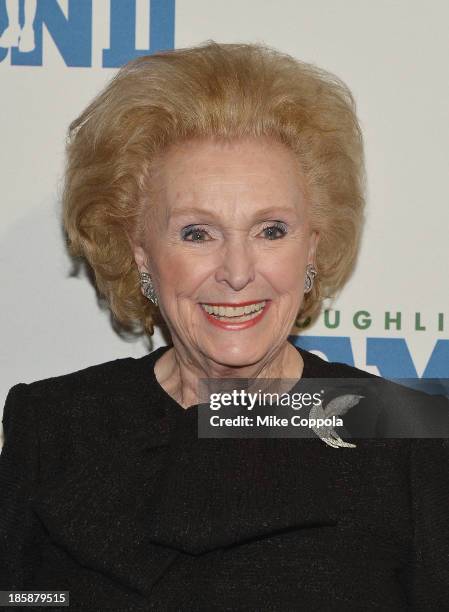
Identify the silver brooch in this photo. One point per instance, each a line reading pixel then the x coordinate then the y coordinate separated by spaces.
pixel 338 406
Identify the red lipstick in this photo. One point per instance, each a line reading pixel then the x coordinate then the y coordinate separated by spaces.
pixel 235 303
pixel 235 326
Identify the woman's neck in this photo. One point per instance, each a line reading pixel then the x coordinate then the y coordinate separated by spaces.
pixel 179 372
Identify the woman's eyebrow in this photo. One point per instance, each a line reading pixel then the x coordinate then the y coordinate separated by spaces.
pixel 269 211
pixel 191 210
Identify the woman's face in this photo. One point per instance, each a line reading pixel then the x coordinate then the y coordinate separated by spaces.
pixel 227 246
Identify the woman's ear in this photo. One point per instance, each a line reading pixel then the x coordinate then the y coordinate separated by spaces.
pixel 139 253
pixel 140 257
pixel 313 246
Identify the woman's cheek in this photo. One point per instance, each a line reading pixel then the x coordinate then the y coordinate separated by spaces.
pixel 184 274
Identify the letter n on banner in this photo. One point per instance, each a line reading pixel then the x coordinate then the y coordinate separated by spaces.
pixel 72 35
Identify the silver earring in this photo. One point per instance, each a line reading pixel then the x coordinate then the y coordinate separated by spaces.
pixel 147 287
pixel 311 272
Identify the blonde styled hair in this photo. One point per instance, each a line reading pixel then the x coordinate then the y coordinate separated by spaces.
pixel 224 91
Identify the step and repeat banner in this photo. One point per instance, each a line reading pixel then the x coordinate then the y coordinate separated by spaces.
pixel 391 319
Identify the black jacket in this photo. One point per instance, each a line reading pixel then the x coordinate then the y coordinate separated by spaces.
pixel 107 492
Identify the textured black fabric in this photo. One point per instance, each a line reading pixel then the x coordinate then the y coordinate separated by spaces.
pixel 106 491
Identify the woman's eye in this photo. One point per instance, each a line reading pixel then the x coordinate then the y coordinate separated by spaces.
pixel 195 234
pixel 275 231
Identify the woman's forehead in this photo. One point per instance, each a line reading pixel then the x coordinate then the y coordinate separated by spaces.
pixel 209 170
pixel 208 152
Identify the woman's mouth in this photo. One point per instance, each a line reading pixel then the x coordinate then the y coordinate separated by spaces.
pixel 235 316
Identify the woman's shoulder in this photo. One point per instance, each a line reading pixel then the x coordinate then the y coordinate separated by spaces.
pixel 405 408
pixel 86 379
pixel 89 395
pixel 83 409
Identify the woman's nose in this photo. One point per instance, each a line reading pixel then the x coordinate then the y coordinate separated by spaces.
pixel 236 267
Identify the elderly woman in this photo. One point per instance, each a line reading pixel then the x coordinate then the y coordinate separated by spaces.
pixel 217 189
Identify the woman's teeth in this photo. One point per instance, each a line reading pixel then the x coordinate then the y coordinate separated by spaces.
pixel 238 314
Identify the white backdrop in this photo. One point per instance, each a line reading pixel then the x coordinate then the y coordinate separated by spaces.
pixel 392 54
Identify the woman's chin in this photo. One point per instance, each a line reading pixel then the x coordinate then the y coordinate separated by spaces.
pixel 236 354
